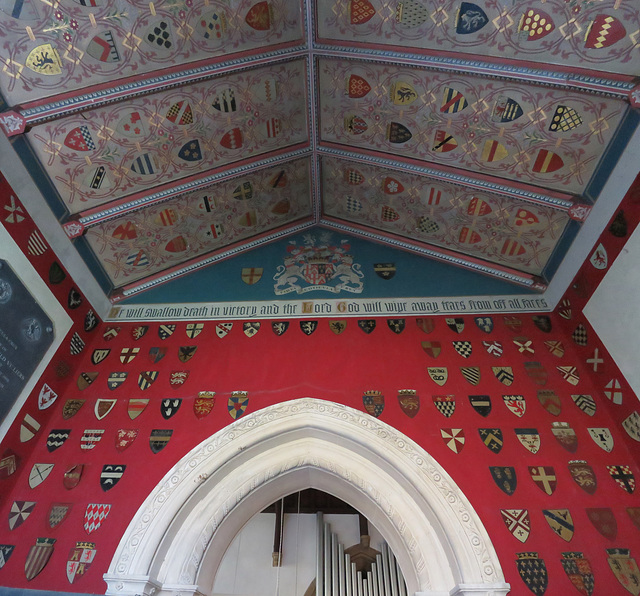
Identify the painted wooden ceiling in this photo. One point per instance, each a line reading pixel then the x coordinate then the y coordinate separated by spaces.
pixel 172 135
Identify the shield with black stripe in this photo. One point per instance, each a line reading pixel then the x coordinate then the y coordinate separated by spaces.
pixel 159 439
pixel 505 478
pixel 169 407
pixel 85 379
pixel 529 437
pixel 471 374
pixel 586 403
pixel 624 477
pixel 111 475
pixel 492 438
pixel 165 331
pixel 481 404
pixel 560 521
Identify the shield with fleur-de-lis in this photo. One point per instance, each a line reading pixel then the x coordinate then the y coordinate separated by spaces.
pixel 533 572
pixel 373 402
pixel 578 570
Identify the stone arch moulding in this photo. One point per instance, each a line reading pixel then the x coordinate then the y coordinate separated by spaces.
pixel 176 540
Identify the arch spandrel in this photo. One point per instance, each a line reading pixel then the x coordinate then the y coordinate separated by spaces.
pixel 176 540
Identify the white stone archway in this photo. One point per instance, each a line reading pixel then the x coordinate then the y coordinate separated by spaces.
pixel 178 537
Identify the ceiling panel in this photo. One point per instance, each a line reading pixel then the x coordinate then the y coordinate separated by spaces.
pixel 149 240
pixel 552 138
pixel 498 229
pixel 52 47
pixel 600 35
pixel 105 154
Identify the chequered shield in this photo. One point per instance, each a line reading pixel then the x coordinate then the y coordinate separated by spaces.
pixel 583 475
pixel 396 325
pixel 565 435
pixel 516 404
pixel 517 522
pixel 463 348
pixel 492 438
pixel 493 347
pixel 94 515
pixel 438 374
pixel 56 438
pixel 38 557
pixel 481 404
pixel 455 323
pixel 560 521
pixel 237 404
pixel 544 478
pixel 625 569
pixel 125 437
pixel 484 323
pixel 373 402
pixel 623 476
pixel 505 478
pixel 586 403
pixel 19 512
pixel 409 401
pixel 529 437
pixel 308 327
pixel 603 520
pixel 504 374
pixel 279 327
pixel 80 559
pixel 533 572
pixel 111 475
pixel 550 401
pixel 471 374
pixel 446 404
pixel 580 336
pixel 578 570
pixel 159 438
pixel 58 513
pixel 453 438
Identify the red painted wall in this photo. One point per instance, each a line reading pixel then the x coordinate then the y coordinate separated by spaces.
pixel 339 368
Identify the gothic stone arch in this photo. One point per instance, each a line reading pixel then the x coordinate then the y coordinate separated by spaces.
pixel 176 540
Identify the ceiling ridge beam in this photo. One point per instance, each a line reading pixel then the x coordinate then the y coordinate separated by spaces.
pixel 593 82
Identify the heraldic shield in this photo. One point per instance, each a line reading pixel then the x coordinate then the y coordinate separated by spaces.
pixel 505 478
pixel 80 559
pixel 38 557
pixel 533 572
pixel 373 402
pixel 578 571
pixel 625 569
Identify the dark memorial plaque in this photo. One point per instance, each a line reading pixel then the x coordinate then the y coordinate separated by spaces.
pixel 26 333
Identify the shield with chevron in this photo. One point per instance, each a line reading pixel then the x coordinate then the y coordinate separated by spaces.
pixel 493 347
pixel 504 374
pixel 586 403
pixel 492 438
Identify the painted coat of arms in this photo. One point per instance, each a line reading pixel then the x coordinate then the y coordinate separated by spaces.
pixel 318 265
